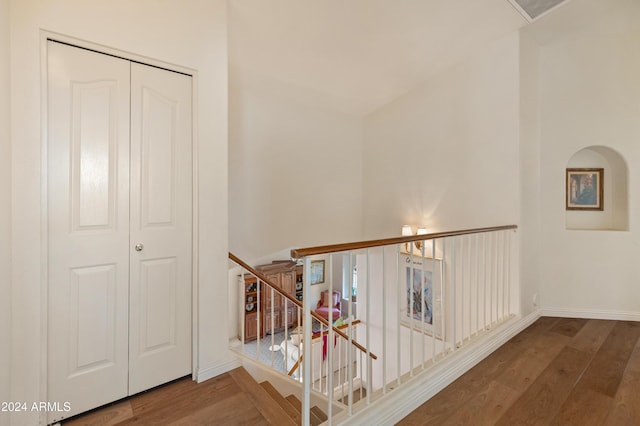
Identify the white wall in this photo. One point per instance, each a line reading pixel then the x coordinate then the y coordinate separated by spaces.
pixel 5 210
pixel 589 95
pixel 295 171
pixel 188 33
pixel 445 156
pixel 529 176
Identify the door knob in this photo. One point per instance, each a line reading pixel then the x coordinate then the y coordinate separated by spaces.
pixel 139 247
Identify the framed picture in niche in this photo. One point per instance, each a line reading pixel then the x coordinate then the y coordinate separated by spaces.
pixel 317 272
pixel 585 189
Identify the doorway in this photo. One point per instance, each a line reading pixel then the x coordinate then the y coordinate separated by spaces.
pixel 119 195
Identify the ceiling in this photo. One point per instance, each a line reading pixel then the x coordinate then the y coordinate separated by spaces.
pixel 355 56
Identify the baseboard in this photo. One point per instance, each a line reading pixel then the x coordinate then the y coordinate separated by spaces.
pixel 591 314
pixel 395 405
pixel 216 370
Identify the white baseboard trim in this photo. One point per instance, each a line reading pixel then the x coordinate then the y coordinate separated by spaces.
pixel 397 404
pixel 216 370
pixel 591 314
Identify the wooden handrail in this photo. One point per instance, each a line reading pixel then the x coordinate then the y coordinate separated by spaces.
pixel 312 251
pixel 316 335
pixel 295 366
pixel 296 302
pixel 321 333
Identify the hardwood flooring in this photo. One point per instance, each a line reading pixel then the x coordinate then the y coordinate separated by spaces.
pixel 559 371
pixel 233 398
pixel 223 400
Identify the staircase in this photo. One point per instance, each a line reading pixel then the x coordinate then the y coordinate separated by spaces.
pixel 276 409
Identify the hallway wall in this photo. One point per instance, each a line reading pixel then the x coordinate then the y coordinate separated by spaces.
pixel 589 89
pixel 446 155
pixel 188 33
pixel 295 171
pixel 5 209
pixel 295 163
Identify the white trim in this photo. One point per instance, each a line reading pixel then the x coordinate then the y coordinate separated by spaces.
pixel 520 10
pixel 551 9
pixel 218 369
pixel 44 222
pixel 397 404
pixel 591 314
pixel 529 18
pixel 100 48
pixel 195 229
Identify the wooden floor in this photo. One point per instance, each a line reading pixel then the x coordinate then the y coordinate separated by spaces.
pixel 233 398
pixel 556 372
pixel 183 402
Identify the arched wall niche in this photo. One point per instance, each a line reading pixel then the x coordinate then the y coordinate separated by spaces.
pixel 615 216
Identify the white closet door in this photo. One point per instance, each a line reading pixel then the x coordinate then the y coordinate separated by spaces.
pixel 119 174
pixel 161 217
pixel 88 225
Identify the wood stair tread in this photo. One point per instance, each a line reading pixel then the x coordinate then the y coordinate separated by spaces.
pixel 264 402
pixel 319 414
pixel 315 420
pixel 356 396
pixel 284 403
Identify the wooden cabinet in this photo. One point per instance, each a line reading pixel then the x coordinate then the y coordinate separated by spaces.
pixel 250 311
pixel 292 316
pixel 272 321
pixel 251 326
pixel 274 311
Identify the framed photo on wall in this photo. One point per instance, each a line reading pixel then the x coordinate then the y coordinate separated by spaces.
pixel 585 189
pixel 422 304
pixel 317 272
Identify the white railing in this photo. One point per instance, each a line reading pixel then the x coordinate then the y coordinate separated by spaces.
pixel 278 343
pixel 416 300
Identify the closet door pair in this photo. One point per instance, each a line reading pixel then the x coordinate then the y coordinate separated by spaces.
pixel 119 222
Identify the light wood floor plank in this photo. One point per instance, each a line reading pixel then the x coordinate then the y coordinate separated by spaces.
pixel 524 368
pixel 605 372
pixel 601 380
pixel 485 408
pixel 568 326
pixel 575 412
pixel 235 410
pixel 540 403
pixel 592 335
pixel 170 403
pixel 108 416
pixel 626 405
pixel 541 325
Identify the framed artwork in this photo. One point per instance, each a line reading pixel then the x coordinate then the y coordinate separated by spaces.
pixel 585 189
pixel 317 272
pixel 422 304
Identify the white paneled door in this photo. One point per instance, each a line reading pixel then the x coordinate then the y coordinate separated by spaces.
pixel 119 192
pixel 160 315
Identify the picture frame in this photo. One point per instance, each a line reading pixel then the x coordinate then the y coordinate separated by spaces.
pixel 584 189
pixel 422 297
pixel 317 272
